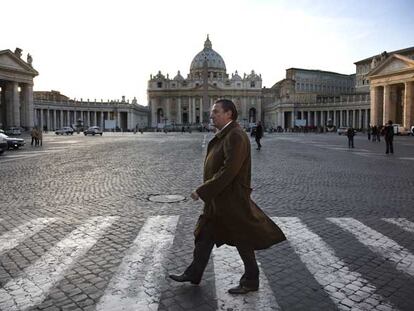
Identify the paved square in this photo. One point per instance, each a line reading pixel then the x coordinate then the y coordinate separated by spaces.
pixel 78 231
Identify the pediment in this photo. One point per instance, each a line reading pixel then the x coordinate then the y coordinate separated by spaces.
pixel 11 62
pixel 394 64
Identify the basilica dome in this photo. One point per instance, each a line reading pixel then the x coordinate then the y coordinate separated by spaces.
pixel 214 60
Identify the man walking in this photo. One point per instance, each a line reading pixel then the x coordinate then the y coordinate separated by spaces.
pixel 259 135
pixel 229 216
pixel 350 133
pixel 389 137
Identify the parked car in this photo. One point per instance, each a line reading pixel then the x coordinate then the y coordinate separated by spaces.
pixel 93 130
pixel 64 130
pixel 3 142
pixel 342 130
pixel 12 142
pixel 13 131
pixel 399 130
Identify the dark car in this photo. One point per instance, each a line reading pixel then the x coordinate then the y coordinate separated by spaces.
pixel 12 142
pixel 93 130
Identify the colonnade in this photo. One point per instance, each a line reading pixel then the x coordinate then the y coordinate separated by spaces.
pixel 192 110
pixel 393 102
pixel 357 118
pixel 53 119
pixel 17 104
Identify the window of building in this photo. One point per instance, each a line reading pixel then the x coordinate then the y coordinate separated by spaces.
pixel 252 84
pixel 159 85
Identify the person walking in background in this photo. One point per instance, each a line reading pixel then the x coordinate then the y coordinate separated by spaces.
pixel 259 135
pixel 350 134
pixel 230 216
pixel 374 133
pixel 379 130
pixel 389 137
pixel 33 135
pixel 369 132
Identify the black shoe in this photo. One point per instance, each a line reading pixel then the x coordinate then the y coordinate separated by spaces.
pixel 184 278
pixel 242 290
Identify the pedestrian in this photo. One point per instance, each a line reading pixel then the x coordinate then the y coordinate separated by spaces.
pixel 369 132
pixel 350 134
pixel 230 216
pixel 33 135
pixel 379 130
pixel 39 137
pixel 182 130
pixel 389 137
pixel 259 135
pixel 374 133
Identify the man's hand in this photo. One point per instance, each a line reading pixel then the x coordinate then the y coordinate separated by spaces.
pixel 194 196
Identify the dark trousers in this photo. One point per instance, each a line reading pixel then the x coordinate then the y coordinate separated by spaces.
pixel 259 146
pixel 202 251
pixel 351 142
pixel 390 147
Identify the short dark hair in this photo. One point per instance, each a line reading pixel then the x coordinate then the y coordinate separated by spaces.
pixel 227 105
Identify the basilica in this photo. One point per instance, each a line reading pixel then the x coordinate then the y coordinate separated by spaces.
pixel 187 101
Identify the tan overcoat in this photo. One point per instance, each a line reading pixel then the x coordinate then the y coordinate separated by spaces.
pixel 236 219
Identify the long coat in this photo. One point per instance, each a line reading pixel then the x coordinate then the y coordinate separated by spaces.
pixel 236 219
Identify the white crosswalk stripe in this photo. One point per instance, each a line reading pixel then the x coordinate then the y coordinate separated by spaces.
pixel 402 223
pixel 32 286
pixel 321 261
pixel 228 268
pixel 11 239
pixel 138 282
pixel 378 243
pixel 140 278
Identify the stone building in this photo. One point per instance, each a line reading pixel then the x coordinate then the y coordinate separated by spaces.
pixel 53 110
pixel 315 98
pixel 187 101
pixel 16 89
pixel 389 78
pixel 392 91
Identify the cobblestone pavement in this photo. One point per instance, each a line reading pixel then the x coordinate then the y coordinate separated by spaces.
pixel 77 231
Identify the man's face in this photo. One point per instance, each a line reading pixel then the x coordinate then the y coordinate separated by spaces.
pixel 219 117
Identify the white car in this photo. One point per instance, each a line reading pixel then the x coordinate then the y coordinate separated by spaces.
pixel 399 130
pixel 64 130
pixel 13 131
pixel 342 130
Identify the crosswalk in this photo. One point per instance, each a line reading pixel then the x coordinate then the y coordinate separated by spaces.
pixel 140 278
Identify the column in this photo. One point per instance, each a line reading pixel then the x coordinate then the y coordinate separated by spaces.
pixel 27 91
pixel 190 114
pixel 194 110
pixel 168 109
pixel 354 123
pixel 41 119
pixel 54 120
pixel 386 105
pixel 259 110
pixel 201 111
pixel 179 117
pixel 408 109
pixel 102 120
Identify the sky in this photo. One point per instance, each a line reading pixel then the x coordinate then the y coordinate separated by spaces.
pixel 100 49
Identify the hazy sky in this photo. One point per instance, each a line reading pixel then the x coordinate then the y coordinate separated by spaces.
pixel 106 49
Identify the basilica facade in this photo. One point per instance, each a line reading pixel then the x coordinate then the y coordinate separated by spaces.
pixel 186 101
